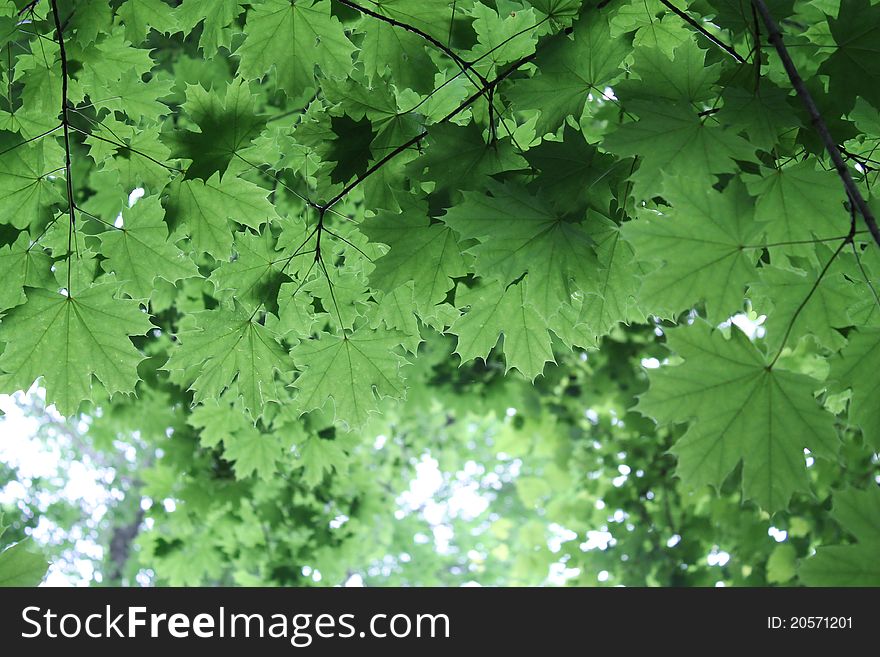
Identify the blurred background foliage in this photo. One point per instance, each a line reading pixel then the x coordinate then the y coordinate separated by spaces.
pixel 477 478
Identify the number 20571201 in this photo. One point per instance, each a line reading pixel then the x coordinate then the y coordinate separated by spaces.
pixel 809 623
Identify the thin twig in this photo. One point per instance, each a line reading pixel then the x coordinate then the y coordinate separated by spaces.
pixel 30 139
pixel 65 123
pixel 846 240
pixel 424 133
pixel 29 7
pixel 128 148
pixel 757 57
pixel 730 50
pixel 462 63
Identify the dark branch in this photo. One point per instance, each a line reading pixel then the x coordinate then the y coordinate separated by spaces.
pixel 424 133
pixel 65 123
pixel 775 37
pixel 702 30
pixel 462 63
pixel 863 161
pixel 757 57
pixel 466 67
pixel 120 144
pixel 29 7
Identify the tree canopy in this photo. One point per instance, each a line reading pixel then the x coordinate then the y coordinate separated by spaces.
pixel 613 265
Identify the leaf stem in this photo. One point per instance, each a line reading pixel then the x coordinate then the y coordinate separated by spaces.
pixel 846 240
pixel 30 139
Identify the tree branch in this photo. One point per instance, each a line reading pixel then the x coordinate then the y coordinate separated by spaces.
pixel 65 123
pixel 29 7
pixel 121 541
pixel 730 50
pixel 462 63
pixel 775 37
pixel 416 139
pixel 465 66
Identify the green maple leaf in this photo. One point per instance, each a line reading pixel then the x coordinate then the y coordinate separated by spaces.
pixel 574 173
pixel 226 125
pixel 663 35
pixel 843 565
pixel 655 26
pixel 502 37
pixel 518 233
pixel 319 456
pixel 684 77
pixel 781 564
pixel 203 216
pixel 736 15
pixel 253 452
pixel 858 512
pixel 495 311
pixel 21 564
pixel 856 367
pixel 457 158
pixel 139 251
pixel 396 311
pixel 139 99
pixel 204 208
pixel 863 273
pixel 672 139
pixel 86 19
pixel 26 189
pixel 557 9
pixel 798 203
pixel 784 290
pixel 215 23
pixel 401 54
pixel 354 371
pixel 740 410
pixel 254 274
pixel 219 347
pixel 296 313
pixel 65 340
pixel 342 293
pixel 569 70
pixel 350 148
pixel 22 264
pixel 139 16
pixel 139 161
pixel 109 59
pixel 291 38
pixel 430 17
pixel 425 253
pixel 380 127
pixel 853 69
pixel 216 419
pixel 619 280
pixel 701 242
pixel 764 113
